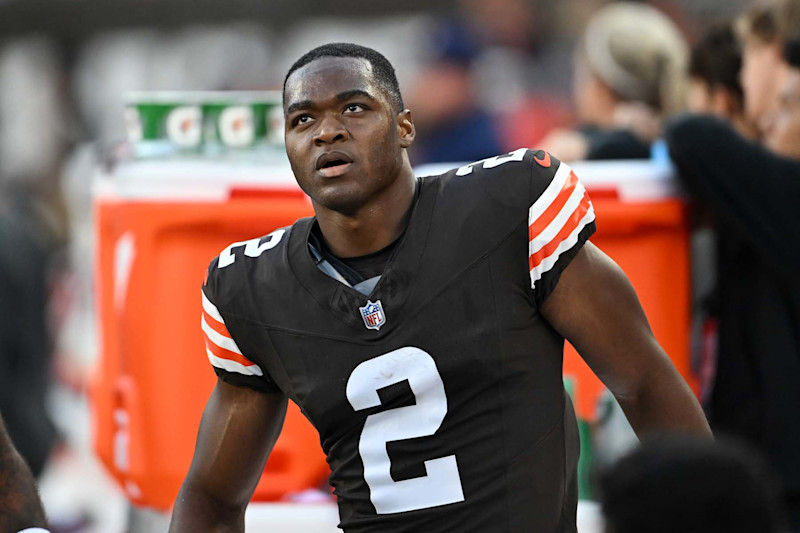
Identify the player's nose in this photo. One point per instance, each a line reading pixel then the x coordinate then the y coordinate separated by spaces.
pixel 329 130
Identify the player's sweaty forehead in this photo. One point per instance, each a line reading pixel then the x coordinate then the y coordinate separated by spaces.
pixel 320 81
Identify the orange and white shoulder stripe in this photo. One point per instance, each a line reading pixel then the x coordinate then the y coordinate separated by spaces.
pixel 221 348
pixel 555 220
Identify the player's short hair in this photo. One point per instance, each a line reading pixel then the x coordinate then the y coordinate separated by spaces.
pixel 691 485
pixel 791 51
pixel 382 69
pixel 717 59
pixel 770 23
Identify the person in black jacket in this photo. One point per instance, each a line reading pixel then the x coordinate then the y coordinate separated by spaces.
pixel 754 192
pixel 25 343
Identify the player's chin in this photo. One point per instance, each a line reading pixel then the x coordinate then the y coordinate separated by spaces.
pixel 345 198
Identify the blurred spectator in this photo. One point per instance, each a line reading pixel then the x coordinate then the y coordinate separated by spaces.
pixel 687 485
pixel 32 230
pixel 629 72
pixel 763 31
pixel 755 194
pixel 451 124
pixel 520 70
pixel 20 506
pixel 714 88
pixel 782 134
pixel 25 347
pixel 714 85
pixel 506 23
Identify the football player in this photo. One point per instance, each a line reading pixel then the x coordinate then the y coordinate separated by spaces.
pixel 419 324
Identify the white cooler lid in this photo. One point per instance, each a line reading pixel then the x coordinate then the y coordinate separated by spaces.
pixel 213 180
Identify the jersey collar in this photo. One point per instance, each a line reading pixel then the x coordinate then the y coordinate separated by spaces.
pixel 395 287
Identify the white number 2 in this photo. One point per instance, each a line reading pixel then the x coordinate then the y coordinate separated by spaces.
pixel 442 484
pixel 496 161
pixel 252 248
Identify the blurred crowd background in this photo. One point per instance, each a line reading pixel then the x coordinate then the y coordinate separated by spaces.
pixel 481 77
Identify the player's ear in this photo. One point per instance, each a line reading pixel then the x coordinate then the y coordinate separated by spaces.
pixel 405 128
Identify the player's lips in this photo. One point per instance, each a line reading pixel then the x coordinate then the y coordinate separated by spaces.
pixel 333 164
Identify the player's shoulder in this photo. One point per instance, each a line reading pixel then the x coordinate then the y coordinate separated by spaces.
pixel 243 265
pixel 514 178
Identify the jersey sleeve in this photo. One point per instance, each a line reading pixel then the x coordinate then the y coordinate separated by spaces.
pixel 224 354
pixel 560 220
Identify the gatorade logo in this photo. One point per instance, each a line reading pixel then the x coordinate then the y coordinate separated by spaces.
pixel 236 128
pixel 184 126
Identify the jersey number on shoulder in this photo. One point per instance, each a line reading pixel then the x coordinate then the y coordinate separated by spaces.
pixel 442 484
pixel 252 248
pixel 492 162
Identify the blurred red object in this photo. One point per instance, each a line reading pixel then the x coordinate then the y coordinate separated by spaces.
pixel 527 124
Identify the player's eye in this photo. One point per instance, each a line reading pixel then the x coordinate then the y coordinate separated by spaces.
pixel 353 108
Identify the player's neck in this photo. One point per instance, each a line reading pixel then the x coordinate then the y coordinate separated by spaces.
pixel 376 225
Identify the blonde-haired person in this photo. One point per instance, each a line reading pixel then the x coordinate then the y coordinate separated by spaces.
pixel 630 71
pixel 763 32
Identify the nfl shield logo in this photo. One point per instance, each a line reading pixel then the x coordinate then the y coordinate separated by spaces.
pixel 373 316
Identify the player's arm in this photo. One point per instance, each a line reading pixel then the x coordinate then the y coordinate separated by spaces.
pixel 238 430
pixel 595 307
pixel 20 506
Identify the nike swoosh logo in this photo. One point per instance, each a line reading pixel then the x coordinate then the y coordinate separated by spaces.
pixel 545 162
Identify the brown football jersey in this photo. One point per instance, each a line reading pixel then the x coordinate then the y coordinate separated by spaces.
pixel 438 397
